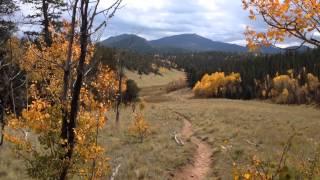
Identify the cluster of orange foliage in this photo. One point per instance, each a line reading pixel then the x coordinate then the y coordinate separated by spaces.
pixel 43 116
pixel 290 88
pixel 108 87
pixel 217 85
pixel 257 170
pixel 139 128
pixel 287 18
pixel 303 169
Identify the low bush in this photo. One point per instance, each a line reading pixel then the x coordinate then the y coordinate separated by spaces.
pixel 140 128
pixel 176 85
pixel 132 92
pixel 303 168
pixel 289 89
pixel 284 89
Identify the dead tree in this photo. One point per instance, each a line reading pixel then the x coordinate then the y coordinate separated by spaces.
pixel 7 72
pixel 119 95
pixel 12 82
pixel 87 16
pixel 120 63
pixel 71 124
pixel 67 71
pixel 2 123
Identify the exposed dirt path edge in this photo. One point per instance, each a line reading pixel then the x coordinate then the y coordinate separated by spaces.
pixel 201 159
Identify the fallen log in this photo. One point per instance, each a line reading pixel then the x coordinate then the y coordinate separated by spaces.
pixel 115 172
pixel 177 139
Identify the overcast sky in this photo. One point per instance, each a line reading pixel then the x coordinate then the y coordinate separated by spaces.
pixel 219 20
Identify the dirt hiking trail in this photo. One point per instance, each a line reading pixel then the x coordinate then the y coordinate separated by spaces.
pixel 201 160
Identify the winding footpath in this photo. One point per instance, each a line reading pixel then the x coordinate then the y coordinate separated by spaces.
pixel 201 161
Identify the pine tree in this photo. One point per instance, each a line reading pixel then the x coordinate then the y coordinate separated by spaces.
pixel 45 12
pixel 7 8
pixel 10 76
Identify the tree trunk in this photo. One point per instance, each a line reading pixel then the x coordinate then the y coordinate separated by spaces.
pixel 66 76
pixel 46 23
pixel 77 86
pixel 9 96
pixel 119 99
pixel 2 123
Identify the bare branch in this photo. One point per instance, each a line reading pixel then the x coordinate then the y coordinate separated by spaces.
pixel 15 76
pixel 115 6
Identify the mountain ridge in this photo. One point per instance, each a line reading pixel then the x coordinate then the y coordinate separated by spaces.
pixel 177 43
pixel 196 43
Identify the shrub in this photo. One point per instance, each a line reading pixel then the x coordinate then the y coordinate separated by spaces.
pixel 284 89
pixel 140 127
pixel 132 92
pixel 312 82
pixel 105 84
pixel 289 166
pixel 176 85
pixel 313 87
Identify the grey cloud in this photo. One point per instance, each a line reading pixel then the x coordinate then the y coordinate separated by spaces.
pixel 218 20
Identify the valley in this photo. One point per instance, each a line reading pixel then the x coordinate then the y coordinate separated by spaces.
pixel 232 131
pixel 159 90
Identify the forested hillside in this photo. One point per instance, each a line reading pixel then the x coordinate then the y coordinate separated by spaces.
pixel 253 69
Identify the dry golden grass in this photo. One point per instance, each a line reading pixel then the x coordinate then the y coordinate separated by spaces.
pixel 158 156
pixel 11 168
pixel 235 130
pixel 176 85
pixel 155 80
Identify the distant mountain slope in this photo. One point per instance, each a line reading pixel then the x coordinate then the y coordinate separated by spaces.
pixel 179 43
pixel 299 49
pixel 194 42
pixel 130 42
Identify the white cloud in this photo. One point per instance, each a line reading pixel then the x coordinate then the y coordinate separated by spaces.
pixel 219 20
pixel 240 42
pixel 216 19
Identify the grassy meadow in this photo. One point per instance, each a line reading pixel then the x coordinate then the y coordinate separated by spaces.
pixel 158 156
pixel 239 130
pixel 235 131
pixel 152 80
